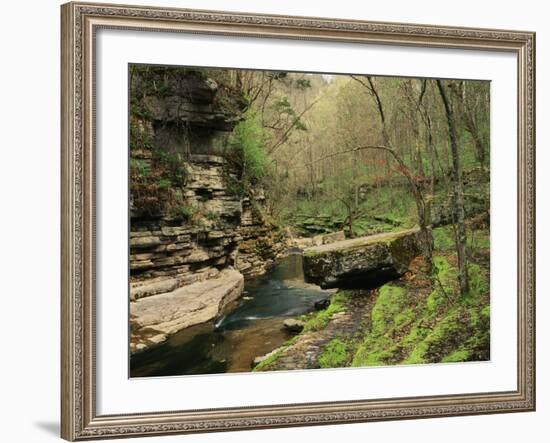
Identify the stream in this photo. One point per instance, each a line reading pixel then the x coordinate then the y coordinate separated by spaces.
pixel 252 328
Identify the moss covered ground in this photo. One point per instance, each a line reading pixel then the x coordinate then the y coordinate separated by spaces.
pixel 420 320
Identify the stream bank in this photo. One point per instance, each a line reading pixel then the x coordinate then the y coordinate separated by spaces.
pixel 253 327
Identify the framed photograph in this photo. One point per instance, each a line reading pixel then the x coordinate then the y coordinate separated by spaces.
pixel 277 221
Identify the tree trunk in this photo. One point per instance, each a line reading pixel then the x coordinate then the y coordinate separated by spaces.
pixel 422 210
pixel 460 237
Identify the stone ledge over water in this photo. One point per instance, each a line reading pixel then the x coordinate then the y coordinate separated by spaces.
pixel 363 262
pixel 153 318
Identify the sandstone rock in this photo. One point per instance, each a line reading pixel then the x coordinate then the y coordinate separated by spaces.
pixel 196 256
pixel 176 246
pixel 166 313
pixel 362 262
pixel 174 230
pixel 216 235
pixel 294 326
pixel 136 265
pixel 334 237
pixel 144 242
pixel 154 287
pixel 317 240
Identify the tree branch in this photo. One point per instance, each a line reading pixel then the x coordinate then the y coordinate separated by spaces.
pixel 284 137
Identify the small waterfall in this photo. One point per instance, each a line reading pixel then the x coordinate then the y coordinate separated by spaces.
pixel 219 322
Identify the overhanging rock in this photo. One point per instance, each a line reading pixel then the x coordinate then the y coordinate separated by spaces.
pixel 364 262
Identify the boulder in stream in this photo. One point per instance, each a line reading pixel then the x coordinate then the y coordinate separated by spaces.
pixel 364 262
pixel 294 326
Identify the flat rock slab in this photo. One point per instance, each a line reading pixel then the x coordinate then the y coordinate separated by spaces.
pixel 363 262
pixel 153 318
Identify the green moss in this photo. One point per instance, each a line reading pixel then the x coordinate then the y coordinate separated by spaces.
pixel 416 334
pixel 442 327
pixel 444 286
pixel 444 337
pixel 320 319
pixel 457 356
pixel 334 354
pixel 388 316
pixel 389 305
pixel 479 283
pixel 275 355
pixel 374 351
pixel 462 332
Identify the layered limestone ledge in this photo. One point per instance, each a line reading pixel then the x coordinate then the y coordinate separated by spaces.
pixel 362 262
pixel 155 317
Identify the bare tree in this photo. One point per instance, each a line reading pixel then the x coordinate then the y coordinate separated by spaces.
pixel 422 208
pixel 458 202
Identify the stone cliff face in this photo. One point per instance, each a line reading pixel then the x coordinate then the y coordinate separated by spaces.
pixel 182 250
pixel 187 226
pixel 259 244
pixel 183 229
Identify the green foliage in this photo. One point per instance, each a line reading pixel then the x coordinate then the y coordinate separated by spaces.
pixel 156 184
pixel 444 239
pixel 184 212
pixel 139 137
pixel 382 210
pixel 140 167
pixel 247 153
pixel 334 354
pixel 138 109
pixel 212 216
pixel 163 90
pixel 462 333
pixel 303 83
pixel 174 168
pixel 164 184
pixel 479 283
pixel 282 106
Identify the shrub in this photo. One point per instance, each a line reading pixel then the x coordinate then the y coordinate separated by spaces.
pixel 184 212
pixel 247 153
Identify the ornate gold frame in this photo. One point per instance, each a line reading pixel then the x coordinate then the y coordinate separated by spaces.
pixel 79 420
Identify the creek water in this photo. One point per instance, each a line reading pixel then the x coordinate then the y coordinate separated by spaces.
pixel 253 327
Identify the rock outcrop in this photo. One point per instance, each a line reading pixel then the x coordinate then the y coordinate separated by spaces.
pixel 364 262
pixel 153 318
pixel 260 242
pixel 166 252
pixel 191 232
pixel 317 240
